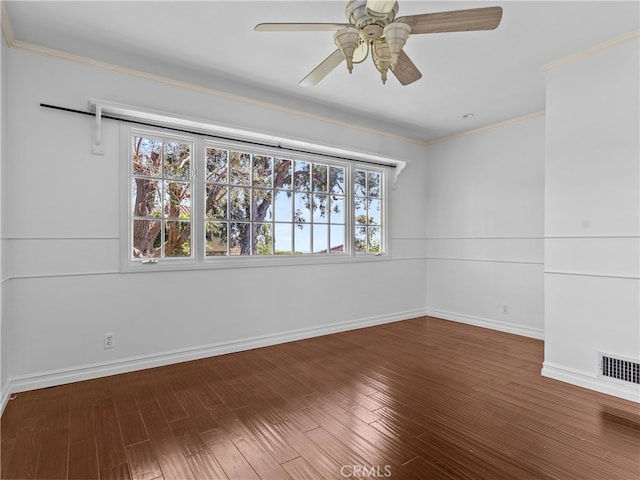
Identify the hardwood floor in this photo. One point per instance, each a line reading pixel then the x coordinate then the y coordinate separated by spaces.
pixel 420 399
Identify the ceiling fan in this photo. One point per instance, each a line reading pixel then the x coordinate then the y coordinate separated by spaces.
pixel 373 28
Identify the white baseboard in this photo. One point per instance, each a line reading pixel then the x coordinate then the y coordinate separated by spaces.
pixel 488 323
pixel 5 396
pixel 592 382
pixel 87 372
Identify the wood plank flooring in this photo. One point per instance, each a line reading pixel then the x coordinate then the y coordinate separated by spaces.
pixel 420 399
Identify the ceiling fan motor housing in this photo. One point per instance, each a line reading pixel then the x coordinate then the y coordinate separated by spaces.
pixel 360 16
pixel 370 33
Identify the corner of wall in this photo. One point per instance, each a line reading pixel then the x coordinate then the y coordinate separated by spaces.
pixel 4 387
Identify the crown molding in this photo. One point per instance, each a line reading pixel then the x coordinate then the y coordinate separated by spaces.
pixel 486 128
pixel 596 49
pixel 6 25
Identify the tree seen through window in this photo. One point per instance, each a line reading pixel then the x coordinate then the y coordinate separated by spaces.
pixel 248 203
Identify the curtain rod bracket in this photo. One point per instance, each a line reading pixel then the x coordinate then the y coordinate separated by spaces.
pixel 96 137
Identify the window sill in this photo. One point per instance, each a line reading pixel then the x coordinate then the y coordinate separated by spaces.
pixel 168 265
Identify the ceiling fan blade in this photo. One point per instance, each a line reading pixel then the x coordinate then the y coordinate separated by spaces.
pixel 405 71
pixel 299 27
pixel 472 19
pixel 322 70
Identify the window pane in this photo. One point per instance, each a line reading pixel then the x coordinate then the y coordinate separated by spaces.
pixel 320 178
pixel 146 199
pixel 337 239
pixel 360 183
pixel 320 239
pixel 360 239
pixel 147 156
pixel 216 202
pixel 217 161
pixel 177 239
pixel 360 210
pixel 337 209
pixel 282 174
pixel 239 241
pixel 146 238
pixel 373 184
pixel 177 199
pixel 177 160
pixel 262 174
pixel 239 203
pixel 282 207
pixel 263 239
pixel 282 238
pixel 301 175
pixel 262 205
pixel 240 168
pixel 302 211
pixel 302 238
pixel 336 180
pixel 215 238
pixel 373 241
pixel 320 201
pixel 374 212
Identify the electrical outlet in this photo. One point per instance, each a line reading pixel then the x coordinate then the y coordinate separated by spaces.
pixel 505 308
pixel 109 340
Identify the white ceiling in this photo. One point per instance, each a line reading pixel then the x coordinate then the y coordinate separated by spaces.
pixel 494 74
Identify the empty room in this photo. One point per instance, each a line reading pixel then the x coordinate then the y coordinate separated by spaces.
pixel 318 239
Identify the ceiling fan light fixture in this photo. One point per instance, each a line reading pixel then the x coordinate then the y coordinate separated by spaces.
pixel 396 34
pixel 381 54
pixel 347 40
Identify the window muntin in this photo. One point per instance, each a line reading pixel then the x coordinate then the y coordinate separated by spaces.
pixel 246 202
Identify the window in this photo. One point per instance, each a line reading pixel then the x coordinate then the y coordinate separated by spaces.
pixel 368 211
pixel 198 202
pixel 264 205
pixel 161 190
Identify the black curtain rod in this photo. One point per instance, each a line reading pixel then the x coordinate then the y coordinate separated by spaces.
pixel 219 137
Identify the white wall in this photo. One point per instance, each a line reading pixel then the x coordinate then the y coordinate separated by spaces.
pixel 64 289
pixel 592 216
pixel 485 220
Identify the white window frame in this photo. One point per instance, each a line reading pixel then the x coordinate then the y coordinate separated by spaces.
pixel 198 259
pixel 245 140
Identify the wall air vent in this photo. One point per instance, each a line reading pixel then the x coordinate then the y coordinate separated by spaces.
pixel 619 368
